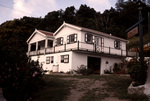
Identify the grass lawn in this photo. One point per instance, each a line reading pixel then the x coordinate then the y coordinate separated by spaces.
pixel 58 88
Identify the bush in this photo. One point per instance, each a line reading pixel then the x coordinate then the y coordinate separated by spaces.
pixel 83 70
pixel 116 68
pixel 137 73
pixel 19 83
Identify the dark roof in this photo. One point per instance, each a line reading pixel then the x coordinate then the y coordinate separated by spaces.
pixel 46 33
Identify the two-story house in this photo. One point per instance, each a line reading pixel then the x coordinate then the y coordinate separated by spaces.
pixel 71 46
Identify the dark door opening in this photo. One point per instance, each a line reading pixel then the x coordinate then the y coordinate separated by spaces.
pixel 94 64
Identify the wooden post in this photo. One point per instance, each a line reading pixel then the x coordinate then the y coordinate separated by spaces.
pixel 109 50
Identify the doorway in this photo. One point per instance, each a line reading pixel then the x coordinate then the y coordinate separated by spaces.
pixel 94 64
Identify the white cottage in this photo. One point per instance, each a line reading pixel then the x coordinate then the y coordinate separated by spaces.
pixel 71 46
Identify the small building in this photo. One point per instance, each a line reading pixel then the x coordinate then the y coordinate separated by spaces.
pixel 71 46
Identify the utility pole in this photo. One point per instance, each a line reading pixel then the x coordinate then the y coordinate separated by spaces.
pixel 141 35
pixel 141 38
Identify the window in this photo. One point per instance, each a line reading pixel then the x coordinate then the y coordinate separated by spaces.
pixel 52 59
pixel 72 38
pixel 64 58
pixel 49 59
pixel 117 44
pixel 89 38
pixel 59 41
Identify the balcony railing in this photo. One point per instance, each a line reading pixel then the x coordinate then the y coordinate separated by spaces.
pixel 82 46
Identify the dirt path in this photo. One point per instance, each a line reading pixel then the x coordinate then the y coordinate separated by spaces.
pixel 81 87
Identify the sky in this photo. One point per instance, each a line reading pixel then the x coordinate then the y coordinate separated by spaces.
pixel 15 9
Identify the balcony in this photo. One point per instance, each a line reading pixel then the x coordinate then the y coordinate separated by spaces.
pixel 83 47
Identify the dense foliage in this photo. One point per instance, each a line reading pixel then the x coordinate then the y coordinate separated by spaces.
pixel 20 83
pixel 137 73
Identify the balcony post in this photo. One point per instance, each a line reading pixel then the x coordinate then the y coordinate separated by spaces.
pixel 46 45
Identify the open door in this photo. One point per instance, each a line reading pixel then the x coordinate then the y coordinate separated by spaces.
pixel 94 64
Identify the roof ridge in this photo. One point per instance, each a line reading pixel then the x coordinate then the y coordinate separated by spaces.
pixel 97 32
pixel 44 31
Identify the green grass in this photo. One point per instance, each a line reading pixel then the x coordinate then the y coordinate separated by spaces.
pixel 119 85
pixel 57 89
pixel 92 96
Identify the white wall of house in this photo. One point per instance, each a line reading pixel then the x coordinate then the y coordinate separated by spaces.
pixel 75 60
pixel 57 62
pixel 37 37
pixel 78 59
pixel 65 31
pixel 110 65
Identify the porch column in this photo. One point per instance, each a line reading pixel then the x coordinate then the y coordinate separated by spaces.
pixel 36 47
pixel 46 43
pixel 29 47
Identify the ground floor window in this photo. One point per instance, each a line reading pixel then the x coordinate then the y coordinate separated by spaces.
pixel 64 58
pixel 49 59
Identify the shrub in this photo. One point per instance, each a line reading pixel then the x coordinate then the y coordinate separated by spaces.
pixel 137 73
pixel 83 70
pixel 19 83
pixel 116 68
pixel 106 71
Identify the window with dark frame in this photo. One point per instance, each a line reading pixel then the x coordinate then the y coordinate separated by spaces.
pixel 59 41
pixel 64 58
pixel 72 38
pixel 89 38
pixel 49 59
pixel 117 44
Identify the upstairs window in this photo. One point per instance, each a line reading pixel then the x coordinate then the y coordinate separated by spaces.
pixel 64 58
pixel 72 38
pixel 89 38
pixel 59 41
pixel 117 44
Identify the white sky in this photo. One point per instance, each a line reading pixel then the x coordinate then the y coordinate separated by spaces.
pixel 14 9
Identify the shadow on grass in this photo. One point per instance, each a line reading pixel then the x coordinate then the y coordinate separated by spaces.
pixel 55 89
pixel 58 89
pixel 119 85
